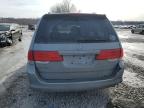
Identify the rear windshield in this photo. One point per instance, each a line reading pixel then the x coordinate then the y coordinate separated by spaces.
pixel 75 29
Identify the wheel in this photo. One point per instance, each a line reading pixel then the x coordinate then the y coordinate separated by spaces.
pixel 3 40
pixel 132 31
pixel 21 33
pixel 142 32
pixel 3 44
pixel 9 41
pixel 20 39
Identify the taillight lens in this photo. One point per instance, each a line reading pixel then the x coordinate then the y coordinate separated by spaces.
pixel 30 56
pixel 52 56
pixel 110 54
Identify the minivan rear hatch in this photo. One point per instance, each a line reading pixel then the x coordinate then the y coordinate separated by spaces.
pixel 76 47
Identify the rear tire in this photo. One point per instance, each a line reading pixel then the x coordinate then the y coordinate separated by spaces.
pixel 20 39
pixel 21 33
pixel 10 42
pixel 3 45
pixel 132 31
pixel 142 32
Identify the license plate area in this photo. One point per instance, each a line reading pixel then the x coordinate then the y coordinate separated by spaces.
pixel 82 60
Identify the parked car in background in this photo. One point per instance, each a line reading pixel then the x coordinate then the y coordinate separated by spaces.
pixel 31 27
pixel 9 33
pixel 138 29
pixel 116 26
pixel 75 52
pixel 131 26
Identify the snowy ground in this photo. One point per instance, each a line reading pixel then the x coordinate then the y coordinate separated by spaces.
pixel 130 93
pixel 15 91
pixel 133 45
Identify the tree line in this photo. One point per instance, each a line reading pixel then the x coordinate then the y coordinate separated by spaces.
pixel 64 7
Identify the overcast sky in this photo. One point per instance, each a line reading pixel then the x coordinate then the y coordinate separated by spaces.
pixel 114 9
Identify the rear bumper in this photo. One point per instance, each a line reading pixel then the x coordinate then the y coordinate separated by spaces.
pixel 37 83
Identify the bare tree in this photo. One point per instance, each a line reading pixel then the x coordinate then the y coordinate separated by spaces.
pixel 65 7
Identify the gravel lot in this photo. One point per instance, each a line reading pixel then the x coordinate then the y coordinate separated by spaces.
pixel 15 91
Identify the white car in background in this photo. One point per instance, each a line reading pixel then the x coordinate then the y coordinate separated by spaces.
pixel 138 29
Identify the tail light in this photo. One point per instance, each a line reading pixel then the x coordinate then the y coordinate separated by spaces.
pixel 52 56
pixel 30 56
pixel 110 54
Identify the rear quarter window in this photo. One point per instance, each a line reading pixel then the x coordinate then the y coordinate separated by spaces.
pixel 75 29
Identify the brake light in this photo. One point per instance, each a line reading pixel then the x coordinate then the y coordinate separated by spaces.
pixel 110 54
pixel 30 56
pixel 52 56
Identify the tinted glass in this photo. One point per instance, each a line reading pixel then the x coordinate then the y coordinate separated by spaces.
pixel 4 27
pixel 71 29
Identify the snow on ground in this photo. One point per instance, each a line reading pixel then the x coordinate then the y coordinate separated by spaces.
pixel 130 93
pixel 133 57
pixel 131 79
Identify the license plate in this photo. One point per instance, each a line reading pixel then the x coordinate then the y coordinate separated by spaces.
pixel 82 60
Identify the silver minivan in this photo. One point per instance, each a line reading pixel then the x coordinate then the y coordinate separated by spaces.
pixel 71 52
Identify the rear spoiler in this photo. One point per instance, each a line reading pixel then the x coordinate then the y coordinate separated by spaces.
pixel 75 14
